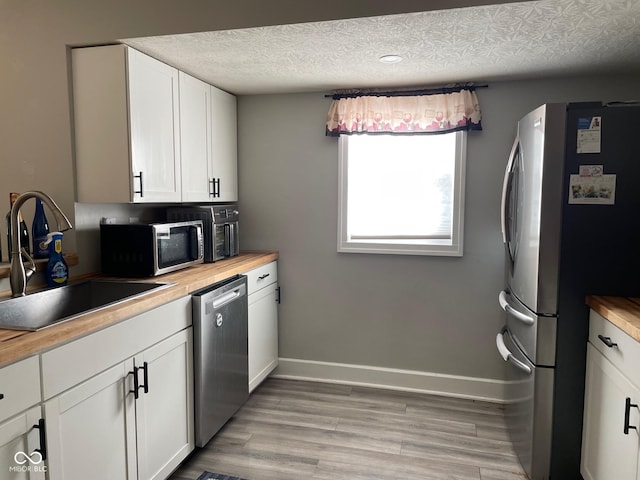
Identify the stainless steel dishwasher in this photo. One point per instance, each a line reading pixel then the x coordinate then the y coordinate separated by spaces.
pixel 220 354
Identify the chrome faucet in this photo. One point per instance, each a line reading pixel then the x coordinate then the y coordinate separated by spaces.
pixel 18 274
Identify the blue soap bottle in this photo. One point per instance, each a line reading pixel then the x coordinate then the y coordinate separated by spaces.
pixel 57 271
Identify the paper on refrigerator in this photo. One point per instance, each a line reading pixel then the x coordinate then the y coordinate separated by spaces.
pixel 592 186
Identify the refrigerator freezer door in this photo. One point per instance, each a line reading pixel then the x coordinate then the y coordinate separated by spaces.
pixel 529 409
pixel 534 334
pixel 531 221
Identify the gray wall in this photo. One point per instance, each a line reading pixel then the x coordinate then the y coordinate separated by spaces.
pixel 389 311
pixel 35 122
pixel 429 314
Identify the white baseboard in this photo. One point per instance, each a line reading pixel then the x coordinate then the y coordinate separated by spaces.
pixel 484 389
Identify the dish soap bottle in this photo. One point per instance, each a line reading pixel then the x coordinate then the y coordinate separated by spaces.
pixel 57 270
pixel 39 231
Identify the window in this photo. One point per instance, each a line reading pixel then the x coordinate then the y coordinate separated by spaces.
pixel 402 194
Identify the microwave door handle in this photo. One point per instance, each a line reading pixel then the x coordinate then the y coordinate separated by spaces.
pixel 196 244
pixel 200 234
pixel 506 354
pixel 507 185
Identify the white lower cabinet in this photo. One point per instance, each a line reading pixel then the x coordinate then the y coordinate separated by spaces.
pixel 91 428
pixel 610 438
pixel 263 299
pixel 132 420
pixel 164 410
pixel 21 450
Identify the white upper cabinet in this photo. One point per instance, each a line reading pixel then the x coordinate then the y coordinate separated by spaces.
pixel 224 146
pixel 195 136
pixel 154 115
pixel 208 134
pixel 145 132
pixel 127 126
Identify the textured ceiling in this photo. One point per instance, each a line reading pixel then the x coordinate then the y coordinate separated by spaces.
pixel 483 43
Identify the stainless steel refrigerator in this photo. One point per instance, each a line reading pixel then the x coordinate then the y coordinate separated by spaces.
pixel 571 228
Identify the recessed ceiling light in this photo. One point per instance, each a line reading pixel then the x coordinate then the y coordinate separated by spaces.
pixel 390 58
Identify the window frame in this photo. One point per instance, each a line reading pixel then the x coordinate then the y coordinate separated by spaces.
pixel 346 245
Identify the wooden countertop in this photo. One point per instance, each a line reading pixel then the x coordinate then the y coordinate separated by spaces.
pixel 17 344
pixel 623 312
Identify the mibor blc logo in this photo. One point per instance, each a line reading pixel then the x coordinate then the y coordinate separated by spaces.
pixel 28 463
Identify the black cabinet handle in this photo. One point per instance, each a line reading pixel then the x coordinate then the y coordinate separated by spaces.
pixel 136 384
pixel 214 191
pixel 607 341
pixel 140 192
pixel 278 296
pixel 43 439
pixel 262 277
pixel 1 396
pixel 627 412
pixel 145 386
pixel 134 372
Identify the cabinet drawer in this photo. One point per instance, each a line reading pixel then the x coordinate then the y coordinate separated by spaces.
pixel 20 386
pixel 261 276
pixel 625 354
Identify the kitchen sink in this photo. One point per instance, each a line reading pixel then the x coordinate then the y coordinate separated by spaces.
pixel 49 307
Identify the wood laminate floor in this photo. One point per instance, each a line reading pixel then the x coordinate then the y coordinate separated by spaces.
pixel 295 430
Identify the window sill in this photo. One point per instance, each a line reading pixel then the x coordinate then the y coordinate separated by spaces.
pixel 395 249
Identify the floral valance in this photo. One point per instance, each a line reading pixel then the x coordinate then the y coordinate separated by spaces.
pixel 404 114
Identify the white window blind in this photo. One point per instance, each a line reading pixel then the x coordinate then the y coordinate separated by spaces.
pixel 402 194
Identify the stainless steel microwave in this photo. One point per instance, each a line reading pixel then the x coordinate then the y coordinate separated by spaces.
pixel 147 250
pixel 221 227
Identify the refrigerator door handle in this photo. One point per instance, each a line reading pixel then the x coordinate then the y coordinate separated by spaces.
pixel 509 310
pixel 506 354
pixel 506 187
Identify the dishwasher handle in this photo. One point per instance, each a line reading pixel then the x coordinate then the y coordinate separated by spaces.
pixel 507 356
pixel 227 297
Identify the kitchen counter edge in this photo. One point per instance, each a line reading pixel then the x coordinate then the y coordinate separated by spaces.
pixel 623 312
pixel 18 344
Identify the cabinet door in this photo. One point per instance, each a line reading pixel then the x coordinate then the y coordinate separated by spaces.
pixel 91 428
pixel 263 334
pixel 195 138
pixel 164 410
pixel 224 145
pixel 154 118
pixel 101 126
pixel 18 442
pixel 607 452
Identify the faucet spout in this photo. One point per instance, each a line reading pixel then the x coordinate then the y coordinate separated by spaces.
pixel 18 275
